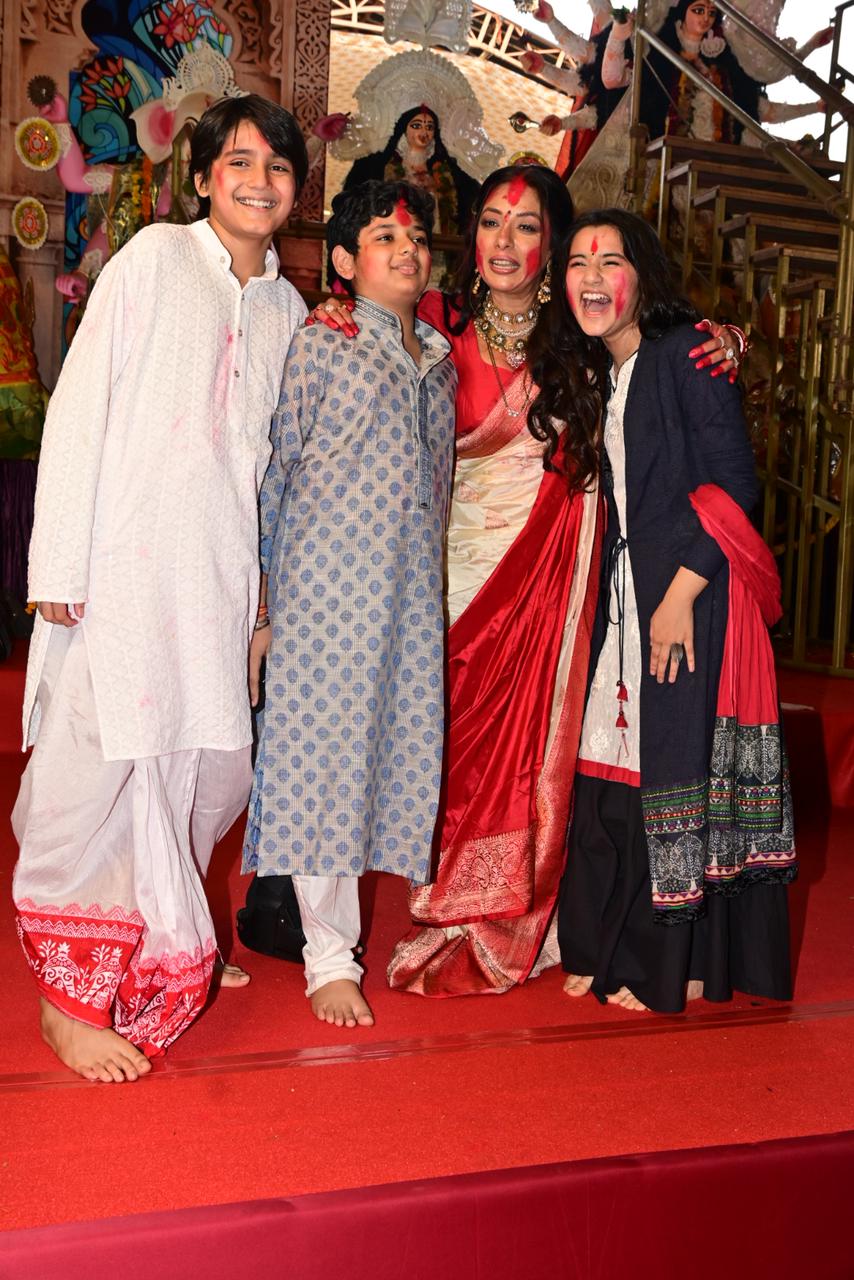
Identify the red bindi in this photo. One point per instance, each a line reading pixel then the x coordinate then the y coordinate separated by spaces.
pixel 594 246
pixel 402 214
pixel 517 186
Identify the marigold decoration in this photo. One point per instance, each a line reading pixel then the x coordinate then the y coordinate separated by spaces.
pixel 29 223
pixel 37 143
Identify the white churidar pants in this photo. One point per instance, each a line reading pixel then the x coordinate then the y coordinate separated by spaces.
pixel 331 921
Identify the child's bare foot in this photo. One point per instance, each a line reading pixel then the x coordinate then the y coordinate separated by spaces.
pixel 626 1000
pixel 694 989
pixel 231 975
pixel 95 1053
pixel 576 985
pixel 342 1004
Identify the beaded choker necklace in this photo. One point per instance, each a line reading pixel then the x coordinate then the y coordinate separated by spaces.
pixel 506 332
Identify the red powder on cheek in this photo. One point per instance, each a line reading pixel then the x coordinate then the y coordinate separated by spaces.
pixel 514 191
pixel 478 257
pixel 532 262
pixel 620 296
pixel 404 217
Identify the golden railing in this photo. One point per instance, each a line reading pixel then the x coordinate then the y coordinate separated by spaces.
pixel 807 357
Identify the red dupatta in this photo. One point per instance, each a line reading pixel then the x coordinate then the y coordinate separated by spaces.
pixel 505 803
pixel 749 789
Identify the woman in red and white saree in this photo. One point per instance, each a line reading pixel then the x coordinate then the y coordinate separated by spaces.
pixel 521 600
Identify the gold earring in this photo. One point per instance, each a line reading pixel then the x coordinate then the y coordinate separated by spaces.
pixel 476 284
pixel 544 292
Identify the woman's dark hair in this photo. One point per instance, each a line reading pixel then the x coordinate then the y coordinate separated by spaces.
pixel 556 207
pixel 356 208
pixel 219 123
pixel 570 368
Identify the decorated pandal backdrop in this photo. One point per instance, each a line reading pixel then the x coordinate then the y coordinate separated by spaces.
pixel 98 100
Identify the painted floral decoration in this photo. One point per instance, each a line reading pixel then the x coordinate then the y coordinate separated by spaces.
pixel 179 22
pixel 37 143
pixel 29 223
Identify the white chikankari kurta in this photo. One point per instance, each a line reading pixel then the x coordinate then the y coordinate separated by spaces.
pixel 156 441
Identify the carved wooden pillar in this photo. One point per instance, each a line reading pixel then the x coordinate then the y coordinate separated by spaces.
pixel 305 35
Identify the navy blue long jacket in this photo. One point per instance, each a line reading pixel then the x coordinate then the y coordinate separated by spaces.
pixel 682 429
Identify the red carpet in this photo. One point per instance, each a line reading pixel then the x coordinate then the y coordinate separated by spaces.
pixel 436 1088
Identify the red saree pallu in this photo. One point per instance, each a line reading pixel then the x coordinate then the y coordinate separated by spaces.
pixel 517 666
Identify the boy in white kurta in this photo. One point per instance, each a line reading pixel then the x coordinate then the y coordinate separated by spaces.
pixel 144 563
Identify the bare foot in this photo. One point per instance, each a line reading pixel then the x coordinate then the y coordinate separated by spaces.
pixel 95 1053
pixel 694 989
pixel 577 986
pixel 231 975
pixel 342 1004
pixel 626 1000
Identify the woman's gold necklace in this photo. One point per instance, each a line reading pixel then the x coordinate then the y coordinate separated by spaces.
pixel 511 413
pixel 506 332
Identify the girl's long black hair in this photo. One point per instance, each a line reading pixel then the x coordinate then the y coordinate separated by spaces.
pixel 570 368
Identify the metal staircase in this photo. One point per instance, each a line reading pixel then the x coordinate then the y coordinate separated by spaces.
pixel 764 236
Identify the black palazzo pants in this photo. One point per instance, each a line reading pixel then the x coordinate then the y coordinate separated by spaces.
pixel 606 926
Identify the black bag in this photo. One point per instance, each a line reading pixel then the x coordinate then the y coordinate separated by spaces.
pixel 270 921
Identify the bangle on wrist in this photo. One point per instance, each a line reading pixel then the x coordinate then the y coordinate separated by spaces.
pixel 261 624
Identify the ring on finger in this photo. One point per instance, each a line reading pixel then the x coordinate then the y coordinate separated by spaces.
pixel 677 653
pixel 730 353
pixel 722 340
pixel 330 307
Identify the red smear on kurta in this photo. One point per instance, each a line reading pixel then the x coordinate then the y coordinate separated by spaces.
pixel 404 217
pixel 516 187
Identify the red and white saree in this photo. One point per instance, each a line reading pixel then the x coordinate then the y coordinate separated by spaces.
pixel 522 588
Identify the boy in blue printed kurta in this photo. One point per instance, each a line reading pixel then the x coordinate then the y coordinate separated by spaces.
pixel 353 513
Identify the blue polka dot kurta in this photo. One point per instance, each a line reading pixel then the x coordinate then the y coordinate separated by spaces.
pixel 353 516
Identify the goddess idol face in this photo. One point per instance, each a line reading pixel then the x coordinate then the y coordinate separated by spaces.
pixel 421 131
pixel 699 18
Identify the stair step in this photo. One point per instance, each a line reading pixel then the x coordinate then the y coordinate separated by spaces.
pixel 710 175
pixel 803 288
pixel 772 229
pixel 719 152
pixel 800 259
pixel 737 200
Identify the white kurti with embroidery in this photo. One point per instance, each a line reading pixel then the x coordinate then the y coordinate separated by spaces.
pixel 607 751
pixel 155 445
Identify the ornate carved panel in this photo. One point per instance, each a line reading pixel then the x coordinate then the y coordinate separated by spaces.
pixel 58 17
pixel 311 88
pixel 277 39
pixel 29 24
pixel 245 21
